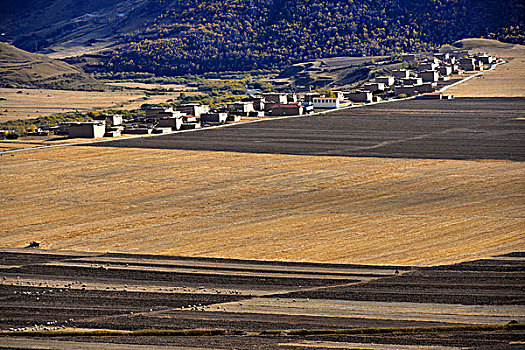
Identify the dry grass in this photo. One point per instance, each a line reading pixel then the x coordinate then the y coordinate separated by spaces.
pixel 377 310
pixel 20 68
pixel 258 206
pixel 9 145
pixel 507 80
pixel 147 86
pixel 33 103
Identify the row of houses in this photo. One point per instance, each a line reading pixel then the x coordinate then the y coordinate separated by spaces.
pixel 427 71
pixel 431 69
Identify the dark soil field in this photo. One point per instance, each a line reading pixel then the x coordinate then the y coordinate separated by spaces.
pixel 498 281
pixel 261 302
pixel 463 128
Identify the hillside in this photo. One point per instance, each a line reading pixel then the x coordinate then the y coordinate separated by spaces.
pixel 70 27
pixel 201 36
pixel 339 72
pixel 21 69
pixel 190 36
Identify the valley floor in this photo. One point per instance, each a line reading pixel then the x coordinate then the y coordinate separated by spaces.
pixel 366 210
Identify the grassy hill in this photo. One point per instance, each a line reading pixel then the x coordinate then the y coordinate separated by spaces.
pixel 21 69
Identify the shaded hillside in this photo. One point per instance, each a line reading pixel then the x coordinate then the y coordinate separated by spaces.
pixel 199 36
pixel 196 36
pixel 338 72
pixel 49 25
pixel 21 69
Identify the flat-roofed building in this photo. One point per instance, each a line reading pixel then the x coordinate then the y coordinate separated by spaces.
pixel 90 130
pixel 408 90
pixel 175 123
pixel 442 56
pixel 413 81
pixel 445 70
pixel 258 102
pixel 195 109
pixel 288 109
pixel 431 96
pixel 401 73
pixel 152 112
pixel 428 65
pixel 240 107
pixel 484 58
pixel 326 102
pixel 470 64
pixel 161 112
pixel 110 119
pixel 214 118
pixel 374 87
pixel 426 87
pixel 170 114
pixel 113 133
pixel 429 76
pixel 360 96
pixel 275 97
pixel 387 80
pixel 459 53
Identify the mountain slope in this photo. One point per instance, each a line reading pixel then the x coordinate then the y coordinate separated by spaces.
pixel 194 36
pixel 21 69
pixel 49 25
pixel 171 37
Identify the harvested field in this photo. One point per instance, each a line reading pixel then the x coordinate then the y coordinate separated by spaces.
pixel 424 312
pixel 33 103
pixel 8 145
pixel 456 129
pixel 507 80
pixel 260 206
pixel 41 290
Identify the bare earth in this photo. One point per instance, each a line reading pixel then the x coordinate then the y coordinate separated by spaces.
pixel 33 103
pixel 267 304
pixel 507 80
pixel 261 206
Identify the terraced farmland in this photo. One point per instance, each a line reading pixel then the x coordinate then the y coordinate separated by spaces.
pixel 251 304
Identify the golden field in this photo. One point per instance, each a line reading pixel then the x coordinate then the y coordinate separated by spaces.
pixel 33 103
pixel 260 206
pixel 507 80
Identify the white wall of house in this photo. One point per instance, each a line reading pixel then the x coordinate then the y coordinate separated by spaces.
pixel 326 102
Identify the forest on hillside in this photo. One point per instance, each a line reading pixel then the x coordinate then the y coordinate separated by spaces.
pixel 197 36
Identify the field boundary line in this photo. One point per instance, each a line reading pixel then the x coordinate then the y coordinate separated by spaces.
pixel 203 332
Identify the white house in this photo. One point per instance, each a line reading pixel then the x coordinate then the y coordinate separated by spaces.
pixel 326 102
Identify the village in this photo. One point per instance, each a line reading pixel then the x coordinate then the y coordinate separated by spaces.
pixel 420 76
